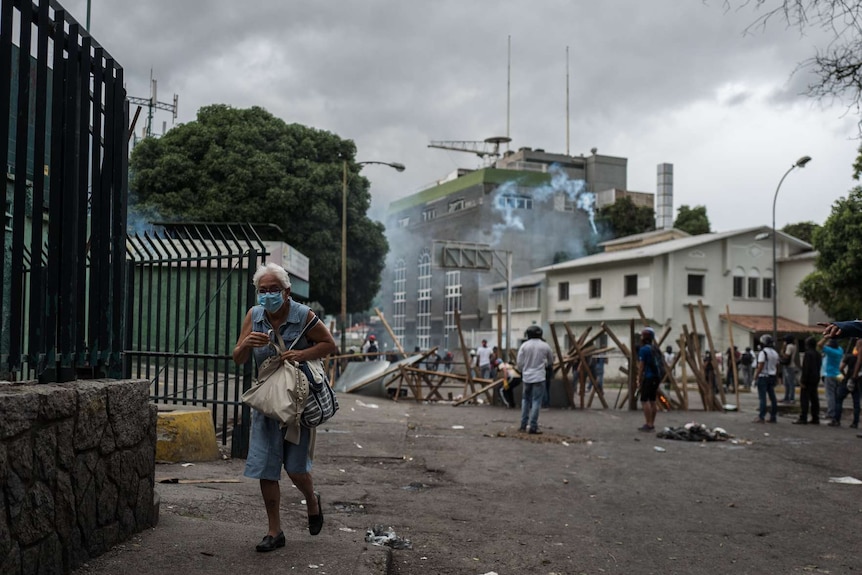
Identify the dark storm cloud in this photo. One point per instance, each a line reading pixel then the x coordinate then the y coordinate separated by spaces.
pixel 393 75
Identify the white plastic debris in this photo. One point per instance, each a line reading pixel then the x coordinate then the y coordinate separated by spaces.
pixel 847 480
pixel 346 529
pixel 187 464
pixel 357 445
pixel 361 403
pixel 457 427
pixel 566 443
pixel 385 536
pixel 659 449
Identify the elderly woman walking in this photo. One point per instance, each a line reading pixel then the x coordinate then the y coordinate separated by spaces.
pixel 268 450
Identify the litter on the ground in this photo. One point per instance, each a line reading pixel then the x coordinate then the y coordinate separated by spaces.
pixel 659 449
pixel 845 480
pixel 694 432
pixel 457 427
pixel 346 529
pixel 187 464
pixel 385 537
pixel 361 403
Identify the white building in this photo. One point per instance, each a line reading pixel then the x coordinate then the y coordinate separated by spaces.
pixel 663 272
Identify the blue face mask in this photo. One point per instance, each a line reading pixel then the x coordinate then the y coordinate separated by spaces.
pixel 271 302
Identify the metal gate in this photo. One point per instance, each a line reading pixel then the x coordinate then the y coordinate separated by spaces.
pixel 189 290
pixel 64 143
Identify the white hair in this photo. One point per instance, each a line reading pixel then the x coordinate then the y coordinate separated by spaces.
pixel 271 269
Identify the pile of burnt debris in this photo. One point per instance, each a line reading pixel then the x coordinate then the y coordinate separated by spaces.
pixel 694 432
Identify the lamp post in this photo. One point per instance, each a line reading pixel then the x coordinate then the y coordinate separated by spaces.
pixel 800 163
pixel 397 167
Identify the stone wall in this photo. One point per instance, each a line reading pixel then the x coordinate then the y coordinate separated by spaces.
pixel 77 464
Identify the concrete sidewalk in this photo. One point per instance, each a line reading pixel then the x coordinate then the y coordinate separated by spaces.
pixel 590 495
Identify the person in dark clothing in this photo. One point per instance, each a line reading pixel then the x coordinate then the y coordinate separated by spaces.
pixel 808 382
pixel 847 386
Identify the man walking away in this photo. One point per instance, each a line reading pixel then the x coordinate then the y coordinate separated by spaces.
pixel 808 382
pixel 767 367
pixel 649 376
pixel 533 357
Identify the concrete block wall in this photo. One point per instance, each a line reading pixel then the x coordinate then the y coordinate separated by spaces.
pixel 77 470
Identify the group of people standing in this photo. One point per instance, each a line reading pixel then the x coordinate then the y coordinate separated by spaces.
pixel 822 360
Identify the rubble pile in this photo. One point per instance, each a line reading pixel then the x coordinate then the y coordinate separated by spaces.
pixel 694 432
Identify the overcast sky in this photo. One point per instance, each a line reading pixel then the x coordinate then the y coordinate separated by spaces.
pixel 652 81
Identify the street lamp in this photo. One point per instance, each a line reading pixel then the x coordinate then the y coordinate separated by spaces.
pixel 800 163
pixel 397 167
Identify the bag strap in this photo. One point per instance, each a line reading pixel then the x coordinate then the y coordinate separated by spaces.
pixel 280 342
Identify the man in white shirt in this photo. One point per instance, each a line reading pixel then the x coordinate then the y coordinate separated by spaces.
pixel 483 360
pixel 767 368
pixel 534 356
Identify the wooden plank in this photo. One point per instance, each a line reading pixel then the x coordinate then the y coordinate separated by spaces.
pixel 633 370
pixel 641 313
pixel 389 331
pixel 616 340
pixel 713 359
pixel 733 353
pixel 682 352
pixel 486 389
pixel 564 368
pixel 466 354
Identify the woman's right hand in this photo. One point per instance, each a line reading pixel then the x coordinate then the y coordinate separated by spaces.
pixel 256 339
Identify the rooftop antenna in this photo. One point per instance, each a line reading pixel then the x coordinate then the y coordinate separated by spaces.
pixel 509 94
pixel 152 103
pixel 568 125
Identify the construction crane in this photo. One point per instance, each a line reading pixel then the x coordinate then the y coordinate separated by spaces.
pixel 490 147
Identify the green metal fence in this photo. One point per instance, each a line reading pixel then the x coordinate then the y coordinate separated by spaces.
pixel 189 290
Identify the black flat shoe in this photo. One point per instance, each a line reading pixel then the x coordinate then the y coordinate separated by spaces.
pixel 270 543
pixel 315 522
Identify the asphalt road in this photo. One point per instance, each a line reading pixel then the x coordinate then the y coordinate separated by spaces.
pixel 591 495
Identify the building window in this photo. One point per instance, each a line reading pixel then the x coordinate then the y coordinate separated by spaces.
pixel 514 201
pixel 595 288
pixel 429 214
pixel 738 286
pixel 630 285
pixel 753 283
pixel 523 299
pixel 423 314
pixel 399 300
pixel 403 222
pixel 767 288
pixel 456 205
pixel 453 298
pixel 695 284
pixel 752 287
pixel 563 291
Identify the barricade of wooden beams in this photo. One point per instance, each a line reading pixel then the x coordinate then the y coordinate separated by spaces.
pixel 576 360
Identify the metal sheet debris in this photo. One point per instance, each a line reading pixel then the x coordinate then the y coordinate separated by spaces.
pixel 845 480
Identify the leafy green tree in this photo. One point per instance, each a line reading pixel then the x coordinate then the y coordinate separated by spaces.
pixel 623 218
pixel 246 165
pixel 692 220
pixel 836 283
pixel 802 230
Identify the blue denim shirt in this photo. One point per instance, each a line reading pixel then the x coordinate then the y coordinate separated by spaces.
pixel 292 327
